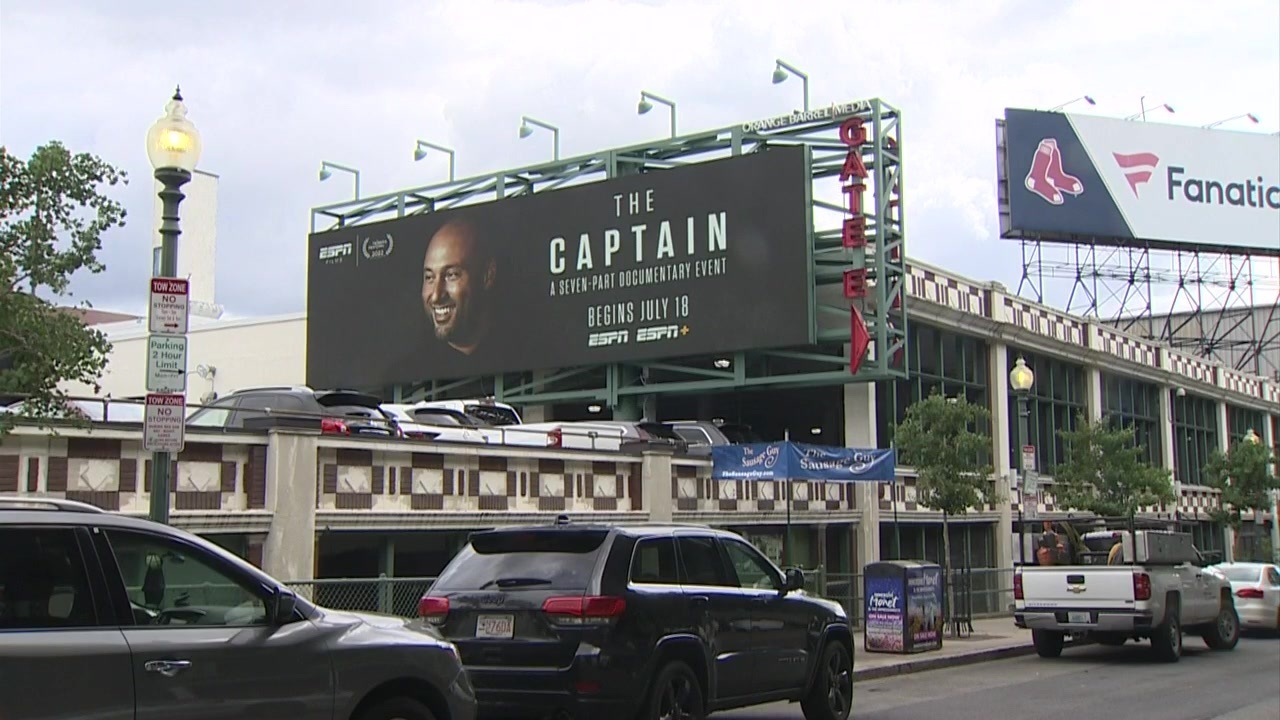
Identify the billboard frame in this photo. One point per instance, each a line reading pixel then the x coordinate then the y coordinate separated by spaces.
pixel 883 258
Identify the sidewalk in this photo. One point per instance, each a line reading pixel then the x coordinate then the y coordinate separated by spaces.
pixel 991 639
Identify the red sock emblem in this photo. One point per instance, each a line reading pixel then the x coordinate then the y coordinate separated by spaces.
pixel 1038 177
pixel 1069 184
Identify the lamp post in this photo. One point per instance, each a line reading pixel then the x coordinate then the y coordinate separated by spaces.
pixel 782 69
pixel 1021 379
pixel 526 131
pixel 647 99
pixel 420 151
pixel 326 172
pixel 173 147
pixel 1246 116
pixel 1073 101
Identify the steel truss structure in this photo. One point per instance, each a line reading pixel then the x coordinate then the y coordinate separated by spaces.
pixel 878 266
pixel 1219 305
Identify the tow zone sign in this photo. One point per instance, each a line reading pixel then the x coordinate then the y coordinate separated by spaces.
pixel 164 424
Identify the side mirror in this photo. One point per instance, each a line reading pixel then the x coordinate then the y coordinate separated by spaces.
pixel 283 607
pixel 794 580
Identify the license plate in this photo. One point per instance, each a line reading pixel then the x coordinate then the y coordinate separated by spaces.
pixel 1079 618
pixel 495 626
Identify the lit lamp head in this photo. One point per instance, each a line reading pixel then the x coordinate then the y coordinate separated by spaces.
pixel 1020 377
pixel 173 142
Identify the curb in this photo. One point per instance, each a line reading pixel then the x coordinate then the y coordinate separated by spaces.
pixel 946 661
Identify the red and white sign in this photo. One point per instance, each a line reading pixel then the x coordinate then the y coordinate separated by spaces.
pixel 170 306
pixel 164 424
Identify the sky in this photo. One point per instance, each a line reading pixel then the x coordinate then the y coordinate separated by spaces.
pixel 277 87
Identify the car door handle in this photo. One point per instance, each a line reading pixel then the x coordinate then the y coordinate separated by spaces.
pixel 167 668
pixel 699 600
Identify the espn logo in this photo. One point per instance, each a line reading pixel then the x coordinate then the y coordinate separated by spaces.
pixel 658 332
pixel 336 252
pixel 612 337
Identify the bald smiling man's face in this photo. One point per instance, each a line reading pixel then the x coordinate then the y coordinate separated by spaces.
pixel 453 276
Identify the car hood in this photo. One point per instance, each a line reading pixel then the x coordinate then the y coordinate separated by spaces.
pixel 379 621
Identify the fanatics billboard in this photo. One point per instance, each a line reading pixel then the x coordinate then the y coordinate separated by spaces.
pixel 711 257
pixel 1080 178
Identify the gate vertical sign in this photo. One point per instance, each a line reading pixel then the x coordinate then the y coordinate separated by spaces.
pixel 854 237
pixel 168 317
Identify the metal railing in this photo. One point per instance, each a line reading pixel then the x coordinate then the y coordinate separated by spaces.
pixel 978 593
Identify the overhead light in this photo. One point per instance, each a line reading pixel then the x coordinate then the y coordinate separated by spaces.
pixel 815 431
pixel 594 408
pixel 723 363
pixel 717 421
pixel 644 106
pixel 525 130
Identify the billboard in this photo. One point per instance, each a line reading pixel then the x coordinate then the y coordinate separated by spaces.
pixel 710 257
pixel 1080 178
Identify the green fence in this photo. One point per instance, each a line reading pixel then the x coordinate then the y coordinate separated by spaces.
pixel 984 592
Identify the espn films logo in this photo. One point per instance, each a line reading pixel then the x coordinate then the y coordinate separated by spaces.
pixel 336 253
pixel 623 337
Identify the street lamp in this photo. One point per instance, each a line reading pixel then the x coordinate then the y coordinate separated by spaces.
pixel 1085 98
pixel 646 104
pixel 780 72
pixel 326 172
pixel 1247 116
pixel 420 151
pixel 1021 379
pixel 526 131
pixel 1142 103
pixel 173 147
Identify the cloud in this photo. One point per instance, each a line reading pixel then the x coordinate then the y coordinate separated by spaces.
pixel 277 87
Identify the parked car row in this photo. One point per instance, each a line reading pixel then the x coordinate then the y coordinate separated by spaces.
pixel 556 621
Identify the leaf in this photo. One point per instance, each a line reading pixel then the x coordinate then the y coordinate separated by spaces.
pixel 1104 471
pixel 940 438
pixel 1245 478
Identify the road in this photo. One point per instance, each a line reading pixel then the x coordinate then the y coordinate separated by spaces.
pixel 1088 682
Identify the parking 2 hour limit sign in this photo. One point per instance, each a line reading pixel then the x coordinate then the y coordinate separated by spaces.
pixel 164 424
pixel 169 310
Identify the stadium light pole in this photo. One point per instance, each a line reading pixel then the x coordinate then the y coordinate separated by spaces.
pixel 1142 103
pixel 782 69
pixel 1249 116
pixel 1085 98
pixel 326 172
pixel 173 148
pixel 526 131
pixel 647 99
pixel 420 151
pixel 1021 380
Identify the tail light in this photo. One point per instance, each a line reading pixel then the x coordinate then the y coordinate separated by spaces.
pixel 1017 587
pixel 433 609
pixel 555 438
pixel 334 426
pixel 1141 586
pixel 1250 593
pixel 588 610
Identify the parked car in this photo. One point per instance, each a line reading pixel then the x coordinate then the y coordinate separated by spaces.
pixel 485 410
pixel 430 427
pixel 336 412
pixel 648 621
pixel 155 622
pixel 635 435
pixel 570 435
pixel 464 427
pixel 1257 590
pixel 701 435
pixel 94 410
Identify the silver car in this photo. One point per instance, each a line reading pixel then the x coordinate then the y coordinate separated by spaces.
pixel 108 617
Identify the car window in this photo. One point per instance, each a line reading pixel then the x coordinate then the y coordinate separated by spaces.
pixel 437 417
pixel 493 415
pixel 510 559
pixel 1242 573
pixel 210 417
pixel 171 584
pixel 693 435
pixel 43 581
pixel 750 567
pixel 1273 576
pixel 654 562
pixel 702 562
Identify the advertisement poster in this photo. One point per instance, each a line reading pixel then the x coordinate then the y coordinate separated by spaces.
pixel 711 257
pixel 924 608
pixel 801 461
pixel 884 611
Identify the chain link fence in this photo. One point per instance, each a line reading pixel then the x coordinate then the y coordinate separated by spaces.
pixel 980 592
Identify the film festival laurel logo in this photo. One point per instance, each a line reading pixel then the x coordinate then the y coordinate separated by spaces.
pixel 1047 179
pixel 1137 167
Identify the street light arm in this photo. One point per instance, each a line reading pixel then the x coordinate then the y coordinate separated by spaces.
pixel 804 78
pixel 355 174
pixel 525 121
pixel 419 154
pixel 645 94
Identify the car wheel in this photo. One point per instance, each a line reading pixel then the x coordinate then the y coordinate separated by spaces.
pixel 1048 643
pixel 399 708
pixel 831 697
pixel 1166 640
pixel 1225 633
pixel 675 695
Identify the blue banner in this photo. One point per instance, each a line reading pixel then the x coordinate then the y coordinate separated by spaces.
pixel 799 461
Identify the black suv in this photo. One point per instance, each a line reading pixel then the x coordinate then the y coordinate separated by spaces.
pixel 594 621
pixel 337 412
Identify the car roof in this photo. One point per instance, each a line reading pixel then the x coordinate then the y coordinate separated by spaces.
pixel 639 530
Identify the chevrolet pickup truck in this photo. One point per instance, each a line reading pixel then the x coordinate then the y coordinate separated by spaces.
pixel 1155 587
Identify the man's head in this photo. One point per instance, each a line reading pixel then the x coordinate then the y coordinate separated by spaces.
pixel 457 272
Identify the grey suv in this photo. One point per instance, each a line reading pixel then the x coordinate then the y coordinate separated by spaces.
pixel 109 617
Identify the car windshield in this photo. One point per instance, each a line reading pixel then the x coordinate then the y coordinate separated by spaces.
pixel 554 560
pixel 1242 573
pixel 493 415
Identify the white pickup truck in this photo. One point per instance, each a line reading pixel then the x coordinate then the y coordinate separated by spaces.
pixel 1156 588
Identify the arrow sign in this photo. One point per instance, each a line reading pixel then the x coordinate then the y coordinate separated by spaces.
pixel 167 364
pixel 169 311
pixel 859 340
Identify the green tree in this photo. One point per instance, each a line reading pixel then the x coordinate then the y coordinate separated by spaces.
pixel 53 213
pixel 1104 471
pixel 944 439
pixel 1245 478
